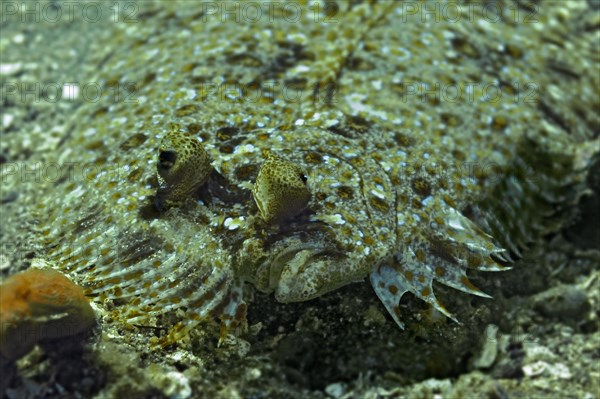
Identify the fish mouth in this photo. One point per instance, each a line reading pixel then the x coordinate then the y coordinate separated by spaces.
pixel 303 271
pixel 292 258
pixel 302 260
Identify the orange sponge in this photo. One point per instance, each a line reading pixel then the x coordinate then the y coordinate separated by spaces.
pixel 40 304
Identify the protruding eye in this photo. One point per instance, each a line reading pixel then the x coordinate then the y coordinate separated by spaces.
pixel 166 159
pixel 182 167
pixel 280 190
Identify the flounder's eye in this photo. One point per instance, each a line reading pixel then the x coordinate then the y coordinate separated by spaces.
pixel 280 190
pixel 183 166
pixel 166 160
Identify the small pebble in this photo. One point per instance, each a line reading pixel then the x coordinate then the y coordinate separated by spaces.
pixel 566 302
pixel 489 349
pixel 10 69
pixel 335 390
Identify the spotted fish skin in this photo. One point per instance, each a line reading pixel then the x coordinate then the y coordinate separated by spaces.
pixel 405 189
